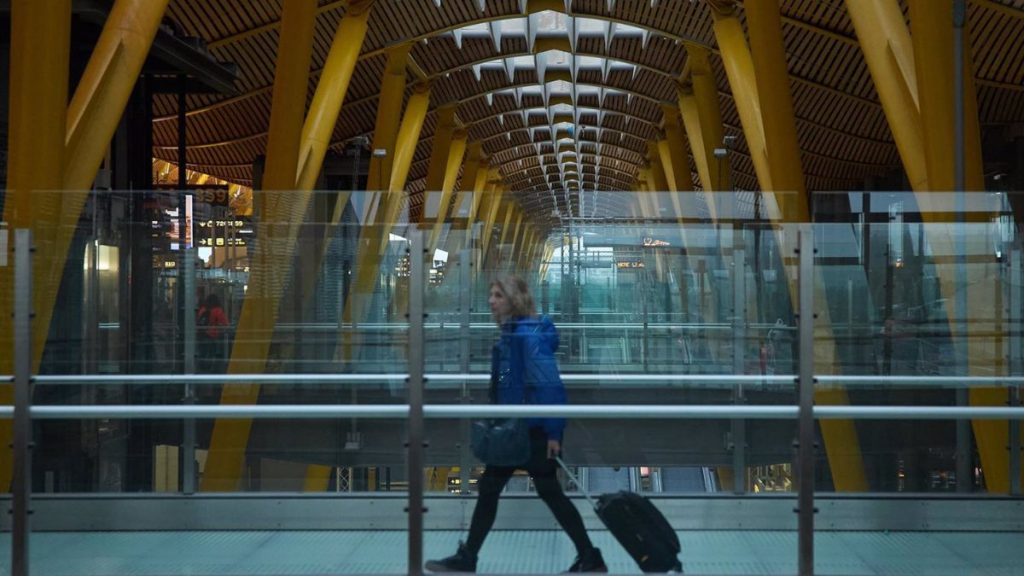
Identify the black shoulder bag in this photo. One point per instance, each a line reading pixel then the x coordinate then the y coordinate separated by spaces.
pixel 502 441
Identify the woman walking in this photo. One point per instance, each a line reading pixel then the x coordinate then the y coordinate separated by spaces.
pixel 524 370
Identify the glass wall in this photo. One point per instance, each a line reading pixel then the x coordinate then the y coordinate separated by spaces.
pixel 297 316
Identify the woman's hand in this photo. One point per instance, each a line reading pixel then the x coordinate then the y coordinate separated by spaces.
pixel 554 449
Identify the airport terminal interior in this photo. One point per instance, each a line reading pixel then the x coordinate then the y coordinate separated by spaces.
pixel 247 248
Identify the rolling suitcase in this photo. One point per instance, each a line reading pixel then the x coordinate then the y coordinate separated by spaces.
pixel 640 527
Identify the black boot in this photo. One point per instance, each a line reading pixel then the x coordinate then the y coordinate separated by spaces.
pixel 589 561
pixel 463 560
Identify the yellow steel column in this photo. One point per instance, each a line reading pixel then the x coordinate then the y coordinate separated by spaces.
pixel 38 80
pixel 105 87
pixel 764 24
pixel 783 174
pixel 288 109
pixel 374 239
pixel 517 229
pixel 496 197
pixel 739 67
pixel 932 35
pixel 658 181
pixel 291 85
pixel 477 205
pixel 474 182
pixel 676 141
pixel 389 113
pixel 330 92
pixel 888 52
pixel 506 227
pixel 439 151
pixel 456 151
pixel 405 147
pixel 765 27
pixel 274 255
pixel 702 116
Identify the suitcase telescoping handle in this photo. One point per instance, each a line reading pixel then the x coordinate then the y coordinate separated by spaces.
pixel 576 481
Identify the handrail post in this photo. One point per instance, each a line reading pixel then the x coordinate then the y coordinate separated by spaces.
pixel 417 283
pixel 21 484
pixel 805 385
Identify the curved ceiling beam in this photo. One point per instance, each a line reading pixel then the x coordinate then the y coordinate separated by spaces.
pixel 624 175
pixel 533 153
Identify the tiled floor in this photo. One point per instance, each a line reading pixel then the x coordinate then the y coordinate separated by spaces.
pixel 521 552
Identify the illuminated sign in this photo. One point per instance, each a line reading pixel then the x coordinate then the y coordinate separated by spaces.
pixel 212 194
pixel 655 242
pixel 629 264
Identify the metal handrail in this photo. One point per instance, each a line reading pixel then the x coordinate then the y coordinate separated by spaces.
pixel 705 379
pixel 128 379
pixel 589 411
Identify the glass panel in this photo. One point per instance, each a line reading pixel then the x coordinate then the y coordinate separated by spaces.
pixel 921 295
pixel 163 283
pixel 638 297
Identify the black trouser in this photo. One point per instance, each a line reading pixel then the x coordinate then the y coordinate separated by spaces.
pixel 542 470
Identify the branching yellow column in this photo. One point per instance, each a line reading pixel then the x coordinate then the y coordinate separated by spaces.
pixel 405 147
pixel 888 51
pixel 764 24
pixel 277 234
pixel 932 36
pixel 291 85
pixel 702 116
pixel 374 239
pixel 658 180
pixel 35 147
pixel 474 182
pixel 439 152
pixel 457 150
pixel 389 113
pixel 913 77
pixel 331 91
pixel 761 82
pixel 675 140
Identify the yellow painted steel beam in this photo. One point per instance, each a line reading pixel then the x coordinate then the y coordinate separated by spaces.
pixel 702 117
pixel 516 231
pixel 276 247
pixel 389 113
pixel 330 92
pixel 439 153
pixel 764 25
pixel 456 151
pixel 748 77
pixel 483 173
pixel 496 197
pixel 932 35
pixel 374 238
pixel 38 92
pixel 888 52
pixel 739 67
pixel 291 85
pixel 318 477
pixel 665 154
pixel 405 148
pixel 658 181
pixel 677 157
pixel 473 183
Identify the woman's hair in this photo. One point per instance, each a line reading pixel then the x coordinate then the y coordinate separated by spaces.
pixel 212 301
pixel 517 292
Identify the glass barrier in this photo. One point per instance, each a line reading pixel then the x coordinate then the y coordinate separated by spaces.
pixel 924 310
pixel 684 302
pixel 164 283
pixel 661 309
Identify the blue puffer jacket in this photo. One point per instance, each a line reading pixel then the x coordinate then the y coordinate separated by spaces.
pixel 524 369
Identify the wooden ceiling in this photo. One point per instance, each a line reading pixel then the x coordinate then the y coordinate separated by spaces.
pixel 842 131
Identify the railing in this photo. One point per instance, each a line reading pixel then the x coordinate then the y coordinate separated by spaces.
pixel 414 409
